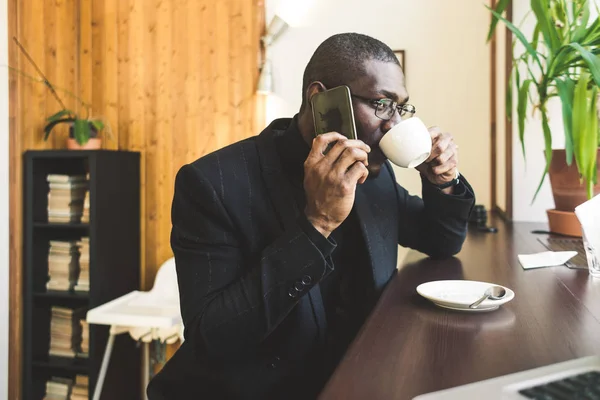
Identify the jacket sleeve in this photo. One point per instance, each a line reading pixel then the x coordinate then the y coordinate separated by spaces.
pixel 436 224
pixel 232 300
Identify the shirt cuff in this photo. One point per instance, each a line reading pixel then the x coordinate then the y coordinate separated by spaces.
pixel 325 245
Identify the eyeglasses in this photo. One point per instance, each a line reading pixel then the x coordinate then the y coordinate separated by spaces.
pixel 385 108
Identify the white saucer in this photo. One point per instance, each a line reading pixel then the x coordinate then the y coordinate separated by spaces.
pixel 478 309
pixel 458 295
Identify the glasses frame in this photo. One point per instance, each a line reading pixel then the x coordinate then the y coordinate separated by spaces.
pixel 402 109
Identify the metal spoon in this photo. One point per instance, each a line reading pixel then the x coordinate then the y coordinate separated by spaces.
pixel 493 293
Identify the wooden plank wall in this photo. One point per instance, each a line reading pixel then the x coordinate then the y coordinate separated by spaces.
pixel 175 79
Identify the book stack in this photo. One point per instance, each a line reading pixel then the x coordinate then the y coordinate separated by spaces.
pixel 80 389
pixel 83 278
pixel 85 217
pixel 66 197
pixel 62 265
pixel 58 389
pixel 85 339
pixel 65 332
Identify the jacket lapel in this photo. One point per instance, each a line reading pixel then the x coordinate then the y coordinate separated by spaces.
pixel 277 185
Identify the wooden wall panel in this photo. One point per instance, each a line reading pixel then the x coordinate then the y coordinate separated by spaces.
pixel 15 216
pixel 173 79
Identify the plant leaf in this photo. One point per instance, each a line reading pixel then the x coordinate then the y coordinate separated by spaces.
pixel 536 37
pixel 48 128
pixel 565 91
pixel 588 145
pixel 519 36
pixel 514 74
pixel 547 151
pixel 591 33
pixel 592 61
pixel 558 13
pixel 59 115
pixel 500 7
pixel 99 125
pixel 580 119
pixel 563 59
pixel 592 40
pixel 582 29
pixel 81 131
pixel 522 111
pixel 542 13
pixel 575 60
pixel 595 179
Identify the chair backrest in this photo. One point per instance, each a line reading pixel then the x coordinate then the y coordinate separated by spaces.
pixel 165 282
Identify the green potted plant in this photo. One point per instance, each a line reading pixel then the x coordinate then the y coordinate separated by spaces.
pixel 83 132
pixel 560 59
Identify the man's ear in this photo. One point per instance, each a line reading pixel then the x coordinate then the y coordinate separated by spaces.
pixel 312 89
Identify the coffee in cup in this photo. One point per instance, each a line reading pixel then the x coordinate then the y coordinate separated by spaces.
pixel 407 144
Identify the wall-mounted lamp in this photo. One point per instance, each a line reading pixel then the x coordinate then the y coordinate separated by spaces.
pixel 275 29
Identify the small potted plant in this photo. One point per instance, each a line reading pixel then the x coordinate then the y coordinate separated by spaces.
pixel 83 132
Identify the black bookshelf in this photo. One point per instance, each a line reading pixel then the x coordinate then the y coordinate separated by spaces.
pixel 114 234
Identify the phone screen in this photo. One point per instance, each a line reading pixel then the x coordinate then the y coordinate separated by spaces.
pixel 332 112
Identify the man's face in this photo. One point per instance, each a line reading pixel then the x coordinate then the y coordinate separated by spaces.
pixel 382 80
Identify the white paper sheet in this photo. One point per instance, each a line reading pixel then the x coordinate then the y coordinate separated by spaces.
pixel 545 259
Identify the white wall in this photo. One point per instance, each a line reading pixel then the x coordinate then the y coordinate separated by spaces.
pixel 447 69
pixel 3 201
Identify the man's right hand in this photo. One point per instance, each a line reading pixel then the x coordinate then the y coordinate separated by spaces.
pixel 330 179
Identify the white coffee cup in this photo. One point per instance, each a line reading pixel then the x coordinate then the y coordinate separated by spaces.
pixel 407 144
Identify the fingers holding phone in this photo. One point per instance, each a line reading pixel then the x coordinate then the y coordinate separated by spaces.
pixel 330 179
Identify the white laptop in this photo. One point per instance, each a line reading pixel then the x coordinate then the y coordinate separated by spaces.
pixel 574 379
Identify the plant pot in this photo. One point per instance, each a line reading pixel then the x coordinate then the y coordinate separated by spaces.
pixel 92 144
pixel 568 193
pixel 567 189
pixel 564 222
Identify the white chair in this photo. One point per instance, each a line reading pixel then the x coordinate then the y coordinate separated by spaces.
pixel 146 316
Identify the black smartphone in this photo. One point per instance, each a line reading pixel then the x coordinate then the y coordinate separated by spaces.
pixel 333 112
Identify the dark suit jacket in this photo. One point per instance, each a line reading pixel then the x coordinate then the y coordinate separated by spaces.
pixel 242 249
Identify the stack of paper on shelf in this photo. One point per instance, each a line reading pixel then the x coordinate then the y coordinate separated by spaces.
pixel 66 197
pixel 85 339
pixel 80 389
pixel 85 217
pixel 65 331
pixel 83 279
pixel 63 261
pixel 58 389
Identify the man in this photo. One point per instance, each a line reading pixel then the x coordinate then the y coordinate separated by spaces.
pixel 283 246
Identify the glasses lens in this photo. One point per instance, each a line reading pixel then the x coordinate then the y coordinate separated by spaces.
pixel 406 111
pixel 384 109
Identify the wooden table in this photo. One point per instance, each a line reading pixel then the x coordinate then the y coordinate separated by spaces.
pixel 409 347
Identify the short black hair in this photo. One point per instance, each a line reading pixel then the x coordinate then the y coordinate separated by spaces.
pixel 341 58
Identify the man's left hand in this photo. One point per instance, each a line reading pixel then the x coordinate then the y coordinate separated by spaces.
pixel 442 163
